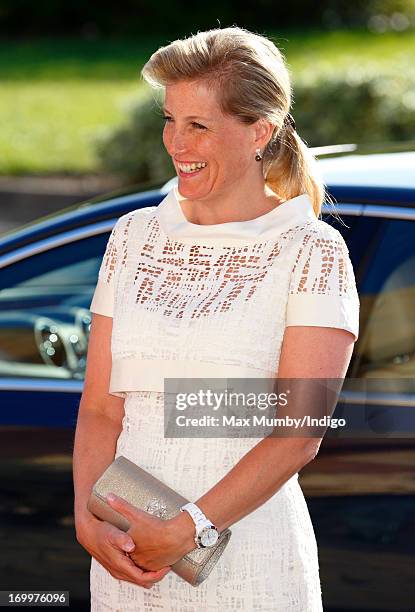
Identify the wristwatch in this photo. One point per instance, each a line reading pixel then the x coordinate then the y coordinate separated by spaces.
pixel 206 533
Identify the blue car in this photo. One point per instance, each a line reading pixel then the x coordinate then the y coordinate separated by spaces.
pixel 360 489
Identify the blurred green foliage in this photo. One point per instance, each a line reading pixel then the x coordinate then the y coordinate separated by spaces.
pixel 136 150
pixel 354 106
pixel 60 95
pixel 358 105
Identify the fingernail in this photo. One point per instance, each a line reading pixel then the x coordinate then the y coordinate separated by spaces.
pixel 128 547
pixel 111 497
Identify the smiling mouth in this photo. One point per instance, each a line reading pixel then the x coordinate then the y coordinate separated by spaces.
pixel 192 167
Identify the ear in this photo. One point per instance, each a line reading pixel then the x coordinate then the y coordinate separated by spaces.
pixel 263 131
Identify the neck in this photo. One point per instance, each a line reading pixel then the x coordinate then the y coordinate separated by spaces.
pixel 230 204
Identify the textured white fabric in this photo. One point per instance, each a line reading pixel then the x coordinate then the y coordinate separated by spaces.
pixel 192 300
pixel 180 297
pixel 271 561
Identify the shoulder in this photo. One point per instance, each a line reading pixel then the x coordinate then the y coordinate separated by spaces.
pixel 322 289
pixel 318 234
pixel 137 218
pixel 321 257
pixel 139 215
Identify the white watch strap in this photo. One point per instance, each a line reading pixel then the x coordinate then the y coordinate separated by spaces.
pixel 197 515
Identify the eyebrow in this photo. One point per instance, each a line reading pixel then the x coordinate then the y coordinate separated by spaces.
pixel 188 117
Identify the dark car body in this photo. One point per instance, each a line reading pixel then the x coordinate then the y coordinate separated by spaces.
pixel 360 489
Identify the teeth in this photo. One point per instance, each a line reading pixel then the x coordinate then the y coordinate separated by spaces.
pixel 192 167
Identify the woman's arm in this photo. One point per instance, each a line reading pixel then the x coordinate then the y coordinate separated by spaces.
pixel 99 425
pixel 99 419
pixel 307 352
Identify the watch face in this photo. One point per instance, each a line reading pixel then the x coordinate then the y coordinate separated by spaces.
pixel 209 536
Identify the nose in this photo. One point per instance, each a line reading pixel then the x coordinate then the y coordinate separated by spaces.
pixel 179 141
pixel 179 138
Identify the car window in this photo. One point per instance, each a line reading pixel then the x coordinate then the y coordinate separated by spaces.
pixel 44 310
pixel 345 226
pixel 385 350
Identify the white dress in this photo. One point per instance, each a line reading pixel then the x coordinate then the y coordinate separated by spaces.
pixel 212 301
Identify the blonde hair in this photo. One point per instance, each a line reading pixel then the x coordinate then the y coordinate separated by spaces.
pixel 252 80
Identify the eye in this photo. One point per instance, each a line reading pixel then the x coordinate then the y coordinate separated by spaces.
pixel 197 125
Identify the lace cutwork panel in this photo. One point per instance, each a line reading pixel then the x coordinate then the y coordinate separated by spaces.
pixel 175 282
pixel 221 304
pixel 322 266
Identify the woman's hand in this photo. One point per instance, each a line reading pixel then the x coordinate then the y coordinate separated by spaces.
pixel 109 545
pixel 158 542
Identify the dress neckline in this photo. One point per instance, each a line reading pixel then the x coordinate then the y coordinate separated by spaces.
pixel 292 212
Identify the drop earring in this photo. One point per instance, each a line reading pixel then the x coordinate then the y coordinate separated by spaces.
pixel 258 155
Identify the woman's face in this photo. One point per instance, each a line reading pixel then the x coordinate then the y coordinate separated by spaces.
pixel 197 131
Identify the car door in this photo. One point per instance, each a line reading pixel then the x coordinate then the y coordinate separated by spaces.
pixel 381 373
pixel 45 292
pixel 360 489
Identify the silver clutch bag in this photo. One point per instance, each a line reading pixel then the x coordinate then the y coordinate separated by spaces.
pixel 144 491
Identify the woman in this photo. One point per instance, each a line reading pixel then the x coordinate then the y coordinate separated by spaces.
pixel 232 275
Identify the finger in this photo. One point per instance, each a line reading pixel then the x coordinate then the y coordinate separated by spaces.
pixel 123 506
pixel 130 574
pixel 128 578
pixel 130 571
pixel 120 540
pixel 143 577
pixel 152 575
pixel 126 544
pixel 122 568
pixel 157 574
pixel 162 572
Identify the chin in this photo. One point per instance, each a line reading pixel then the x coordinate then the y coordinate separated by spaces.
pixel 183 185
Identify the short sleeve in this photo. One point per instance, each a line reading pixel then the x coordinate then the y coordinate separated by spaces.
pixel 103 298
pixel 322 289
